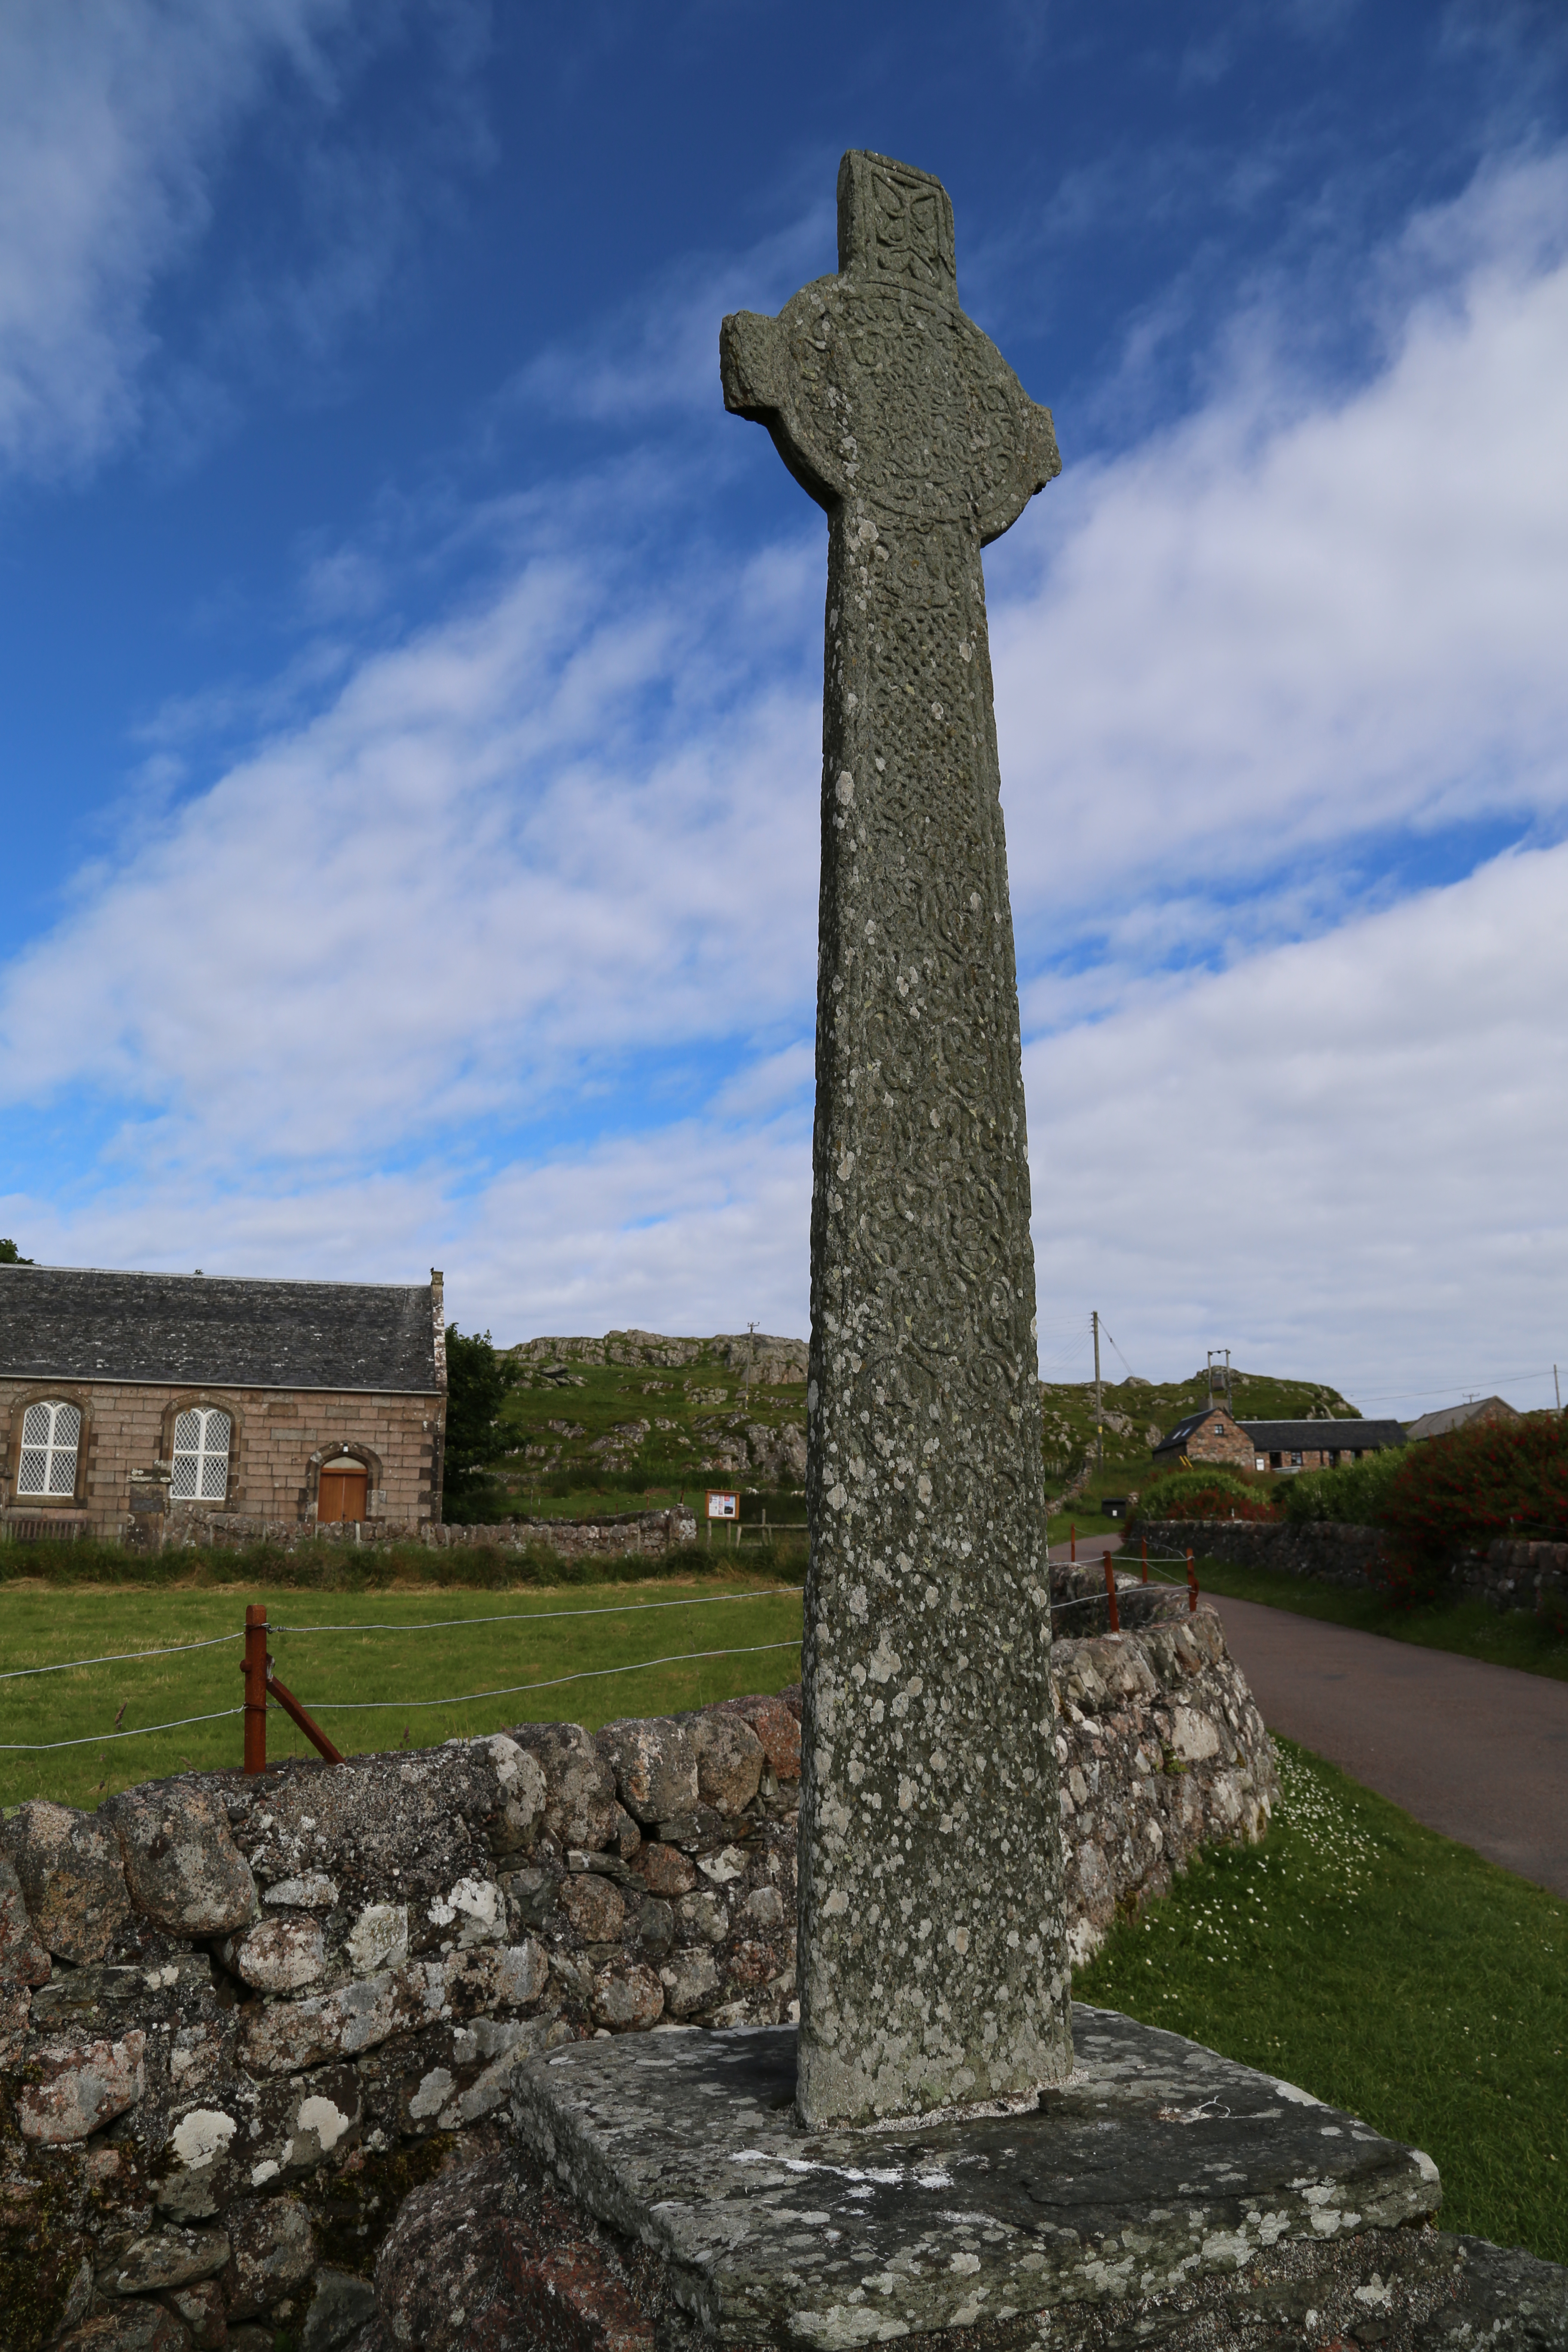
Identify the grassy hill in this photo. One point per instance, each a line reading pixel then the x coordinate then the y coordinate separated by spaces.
pixel 636 1420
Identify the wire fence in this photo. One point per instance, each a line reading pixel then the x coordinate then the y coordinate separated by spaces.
pixel 264 1690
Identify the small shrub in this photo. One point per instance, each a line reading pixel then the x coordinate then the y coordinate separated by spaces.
pixel 1352 1495
pixel 1210 1493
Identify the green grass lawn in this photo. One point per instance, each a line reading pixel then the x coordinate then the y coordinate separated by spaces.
pixel 39 1625
pixel 1504 1638
pixel 1389 1972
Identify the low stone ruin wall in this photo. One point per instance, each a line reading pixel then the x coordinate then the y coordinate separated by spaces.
pixel 243 2023
pixel 1323 1549
pixel 613 1536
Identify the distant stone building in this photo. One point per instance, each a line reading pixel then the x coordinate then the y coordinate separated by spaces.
pixel 1214 1435
pixel 133 1402
pixel 1211 1435
pixel 1461 1416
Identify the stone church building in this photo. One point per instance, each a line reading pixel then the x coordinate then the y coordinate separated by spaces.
pixel 133 1404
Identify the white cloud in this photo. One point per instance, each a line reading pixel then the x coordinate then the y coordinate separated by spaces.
pixel 693 1226
pixel 107 118
pixel 1342 1157
pixel 116 117
pixel 482 872
pixel 1299 618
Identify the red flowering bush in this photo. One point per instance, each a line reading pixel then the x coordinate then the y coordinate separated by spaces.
pixel 1457 1493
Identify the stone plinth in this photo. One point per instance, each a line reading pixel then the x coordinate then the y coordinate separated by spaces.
pixel 1159 2179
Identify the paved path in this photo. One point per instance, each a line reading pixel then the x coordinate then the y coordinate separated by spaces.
pixel 1090 1550
pixel 1479 1752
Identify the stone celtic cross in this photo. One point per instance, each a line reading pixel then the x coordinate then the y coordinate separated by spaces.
pixel 931 1957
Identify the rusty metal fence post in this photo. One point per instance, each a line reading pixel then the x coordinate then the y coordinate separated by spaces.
pixel 254 1688
pixel 1110 1595
pixel 261 1680
pixel 1192 1586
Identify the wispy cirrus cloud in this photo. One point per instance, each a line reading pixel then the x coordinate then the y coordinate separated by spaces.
pixel 116 126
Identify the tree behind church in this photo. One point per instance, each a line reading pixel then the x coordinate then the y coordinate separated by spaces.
pixel 11 1255
pixel 477 1379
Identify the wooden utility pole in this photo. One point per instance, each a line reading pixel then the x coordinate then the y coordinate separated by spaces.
pixel 1099 1422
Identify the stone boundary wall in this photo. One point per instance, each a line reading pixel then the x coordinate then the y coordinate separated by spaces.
pixel 1517 1573
pixel 243 2020
pixel 622 1532
pixel 1514 1573
pixel 1332 1552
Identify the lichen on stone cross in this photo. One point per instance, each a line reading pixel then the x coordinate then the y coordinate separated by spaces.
pixel 932 1967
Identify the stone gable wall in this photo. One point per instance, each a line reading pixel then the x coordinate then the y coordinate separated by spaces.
pixel 243 2020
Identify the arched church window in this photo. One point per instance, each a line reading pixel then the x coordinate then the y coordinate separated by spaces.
pixel 201 1456
pixel 51 1434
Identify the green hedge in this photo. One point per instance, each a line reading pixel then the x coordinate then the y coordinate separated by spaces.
pixel 1352 1495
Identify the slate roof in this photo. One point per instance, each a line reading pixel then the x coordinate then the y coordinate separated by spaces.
pixel 185 1331
pixel 1292 1437
pixel 1457 1416
pixel 1318 1436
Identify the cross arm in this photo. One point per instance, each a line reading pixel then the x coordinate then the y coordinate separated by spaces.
pixel 760 380
pixel 1038 462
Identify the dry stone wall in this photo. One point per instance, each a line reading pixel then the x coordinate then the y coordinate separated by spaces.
pixel 1325 1550
pixel 615 1535
pixel 1512 1573
pixel 246 2023
pixel 1516 1573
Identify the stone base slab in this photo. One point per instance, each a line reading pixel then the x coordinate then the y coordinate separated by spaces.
pixel 1163 2196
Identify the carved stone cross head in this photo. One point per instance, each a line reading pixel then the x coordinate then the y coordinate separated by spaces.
pixel 878 391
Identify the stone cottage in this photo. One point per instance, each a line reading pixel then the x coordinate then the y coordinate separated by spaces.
pixel 132 1403
pixel 1215 1435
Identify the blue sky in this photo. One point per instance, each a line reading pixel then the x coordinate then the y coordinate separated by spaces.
pixel 410 676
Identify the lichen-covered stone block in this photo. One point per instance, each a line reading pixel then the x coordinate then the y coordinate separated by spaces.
pixel 655 1766
pixel 580 1803
pixel 23 1958
pixel 181 1866
pixel 729 1760
pixel 70 1866
pixel 72 2087
pixel 1160 2166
